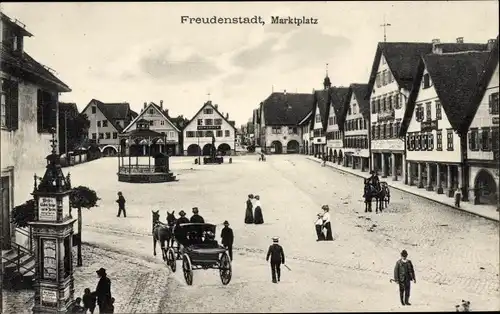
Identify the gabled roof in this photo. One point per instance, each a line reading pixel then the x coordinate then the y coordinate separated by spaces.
pixel 404 57
pixel 30 67
pixel 209 103
pixel 484 81
pixel 306 119
pixel 113 112
pixel 361 91
pixel 157 108
pixel 16 25
pixel 287 109
pixel 455 78
pixel 340 100
pixel 322 100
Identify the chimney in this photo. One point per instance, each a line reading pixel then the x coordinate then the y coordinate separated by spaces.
pixel 284 93
pixel 161 104
pixel 227 116
pixel 491 44
pixel 460 40
pixel 435 46
pixel 216 106
pixel 145 105
pixel 166 112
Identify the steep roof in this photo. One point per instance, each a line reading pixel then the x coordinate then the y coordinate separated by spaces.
pixel 287 109
pixel 360 91
pixel 455 78
pixel 340 100
pixel 209 103
pixel 322 100
pixel 139 116
pixel 484 81
pixel 30 67
pixel 403 58
pixel 68 107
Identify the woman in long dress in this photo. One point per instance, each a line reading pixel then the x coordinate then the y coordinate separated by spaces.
pixel 257 216
pixel 249 211
pixel 326 223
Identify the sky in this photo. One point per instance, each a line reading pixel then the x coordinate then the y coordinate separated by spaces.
pixel 140 52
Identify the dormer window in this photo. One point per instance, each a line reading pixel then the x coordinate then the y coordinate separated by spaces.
pixel 426 81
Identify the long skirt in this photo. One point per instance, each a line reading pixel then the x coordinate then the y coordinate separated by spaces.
pixel 258 218
pixel 329 235
pixel 249 216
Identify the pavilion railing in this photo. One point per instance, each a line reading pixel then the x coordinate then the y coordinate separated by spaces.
pixel 137 169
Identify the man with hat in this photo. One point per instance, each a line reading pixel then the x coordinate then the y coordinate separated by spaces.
pixel 103 290
pixel 374 180
pixel 182 219
pixel 196 218
pixel 227 237
pixel 404 273
pixel 277 258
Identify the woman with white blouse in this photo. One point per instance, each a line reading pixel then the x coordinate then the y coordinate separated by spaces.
pixel 326 223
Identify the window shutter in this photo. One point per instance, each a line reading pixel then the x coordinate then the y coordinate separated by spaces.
pixel 469 138
pixel 6 87
pixel 480 140
pixel 424 141
pixel 490 103
pixel 14 105
pixel 431 141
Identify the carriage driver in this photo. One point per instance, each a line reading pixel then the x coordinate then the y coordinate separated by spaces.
pixel 183 219
pixel 196 218
pixel 373 179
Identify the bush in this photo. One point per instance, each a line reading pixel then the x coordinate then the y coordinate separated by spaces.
pixel 23 214
pixel 83 197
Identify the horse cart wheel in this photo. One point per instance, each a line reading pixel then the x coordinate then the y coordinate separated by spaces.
pixel 225 268
pixel 171 261
pixel 187 269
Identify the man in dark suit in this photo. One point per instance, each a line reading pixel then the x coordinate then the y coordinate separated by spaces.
pixel 103 291
pixel 183 219
pixel 121 205
pixel 404 273
pixel 196 218
pixel 227 237
pixel 277 258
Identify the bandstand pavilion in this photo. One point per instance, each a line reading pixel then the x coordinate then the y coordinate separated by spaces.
pixel 143 142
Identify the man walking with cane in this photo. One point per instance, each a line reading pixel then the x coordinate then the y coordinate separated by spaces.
pixel 277 258
pixel 227 237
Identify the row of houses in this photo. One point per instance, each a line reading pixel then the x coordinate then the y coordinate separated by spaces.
pixel 168 135
pixel 428 116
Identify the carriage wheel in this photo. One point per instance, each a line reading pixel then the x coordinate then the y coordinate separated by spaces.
pixel 171 261
pixel 187 269
pixel 225 268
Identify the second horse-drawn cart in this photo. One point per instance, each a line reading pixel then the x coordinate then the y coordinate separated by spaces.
pixel 195 245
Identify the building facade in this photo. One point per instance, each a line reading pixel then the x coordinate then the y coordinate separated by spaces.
pixel 435 120
pixel 483 137
pixel 107 120
pixel 160 123
pixel 208 122
pixel 280 117
pixel 28 113
pixel 335 124
pixel 356 141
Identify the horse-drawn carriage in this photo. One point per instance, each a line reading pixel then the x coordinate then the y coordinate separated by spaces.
pixel 195 245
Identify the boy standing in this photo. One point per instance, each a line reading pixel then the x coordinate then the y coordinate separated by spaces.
pixel 121 205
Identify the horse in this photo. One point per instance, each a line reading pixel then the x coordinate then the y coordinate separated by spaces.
pixel 380 193
pixel 163 232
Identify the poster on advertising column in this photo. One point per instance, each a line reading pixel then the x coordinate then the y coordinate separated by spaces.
pixel 47 209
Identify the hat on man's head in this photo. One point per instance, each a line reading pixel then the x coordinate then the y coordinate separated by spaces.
pixel 226 222
pixel 404 253
pixel 276 239
pixel 195 210
pixel 182 213
pixel 325 207
pixel 101 272
pixel 257 197
pixel 250 195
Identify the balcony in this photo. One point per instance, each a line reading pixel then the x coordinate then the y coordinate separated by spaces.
pixel 385 116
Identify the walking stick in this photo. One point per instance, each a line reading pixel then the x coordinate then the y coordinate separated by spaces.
pixel 287 267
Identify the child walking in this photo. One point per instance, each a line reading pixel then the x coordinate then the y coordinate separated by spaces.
pixel 121 205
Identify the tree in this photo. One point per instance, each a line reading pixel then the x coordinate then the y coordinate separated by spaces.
pixel 73 128
pixel 179 121
pixel 22 214
pixel 82 197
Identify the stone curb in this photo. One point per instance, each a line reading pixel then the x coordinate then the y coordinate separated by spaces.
pixel 410 192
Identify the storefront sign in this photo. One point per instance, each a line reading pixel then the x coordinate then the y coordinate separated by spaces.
pixel 494 120
pixel 49 297
pixel 209 127
pixel 427 126
pixel 47 208
pixel 49 259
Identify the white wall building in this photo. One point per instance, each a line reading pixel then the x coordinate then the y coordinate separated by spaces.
pixel 208 122
pixel 158 122
pixel 335 124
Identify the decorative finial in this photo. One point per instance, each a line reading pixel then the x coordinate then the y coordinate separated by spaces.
pixel 208 94
pixel 53 141
pixel 327 69
pixel 385 25
pixel 34 179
